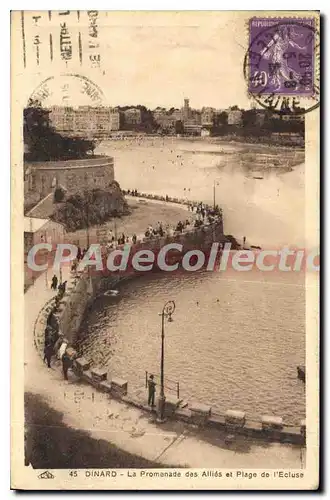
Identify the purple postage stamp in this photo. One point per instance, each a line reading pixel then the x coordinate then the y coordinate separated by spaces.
pixel 281 59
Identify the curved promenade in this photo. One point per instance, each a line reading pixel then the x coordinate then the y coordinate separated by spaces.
pixel 130 427
pixel 173 443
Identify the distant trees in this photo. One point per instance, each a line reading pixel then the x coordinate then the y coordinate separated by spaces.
pixel 147 123
pixel 178 127
pixel 170 111
pixel 249 118
pixel 222 118
pixel 279 124
pixel 43 143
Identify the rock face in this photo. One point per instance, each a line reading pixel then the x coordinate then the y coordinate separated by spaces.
pixel 91 207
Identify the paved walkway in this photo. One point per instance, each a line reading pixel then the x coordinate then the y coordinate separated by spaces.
pixel 131 429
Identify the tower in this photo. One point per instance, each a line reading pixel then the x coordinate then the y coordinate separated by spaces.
pixel 186 110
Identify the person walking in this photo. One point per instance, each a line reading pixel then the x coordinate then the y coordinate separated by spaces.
pixel 48 353
pixel 54 282
pixel 74 265
pixel 66 364
pixel 151 391
pixel 61 289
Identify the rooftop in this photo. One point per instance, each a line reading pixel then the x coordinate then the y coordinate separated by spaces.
pixel 43 209
pixel 33 224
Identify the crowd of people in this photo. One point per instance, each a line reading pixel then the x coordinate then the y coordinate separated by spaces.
pixel 55 343
pixel 203 214
pixel 135 192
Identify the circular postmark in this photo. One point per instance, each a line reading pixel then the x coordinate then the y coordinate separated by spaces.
pixel 281 65
pixel 75 103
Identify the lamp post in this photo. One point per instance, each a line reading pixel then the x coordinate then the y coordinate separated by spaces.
pixel 167 312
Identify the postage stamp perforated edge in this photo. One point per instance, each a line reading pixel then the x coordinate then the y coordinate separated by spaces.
pixel 313 98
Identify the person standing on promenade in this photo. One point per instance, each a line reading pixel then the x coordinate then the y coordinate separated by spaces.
pixel 151 391
pixel 54 282
pixel 48 353
pixel 66 364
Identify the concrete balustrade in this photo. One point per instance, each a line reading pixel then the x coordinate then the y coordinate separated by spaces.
pixel 303 428
pixel 234 418
pixel 271 423
pixel 82 365
pixel 171 405
pixel 88 377
pixel 99 374
pixel 105 386
pixel 119 387
pixel 200 413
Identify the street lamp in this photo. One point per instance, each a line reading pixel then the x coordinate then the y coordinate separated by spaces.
pixel 167 312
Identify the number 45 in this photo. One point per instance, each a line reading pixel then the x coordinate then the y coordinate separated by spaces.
pixel 73 473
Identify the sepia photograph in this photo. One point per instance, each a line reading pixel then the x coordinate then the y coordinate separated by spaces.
pixel 165 186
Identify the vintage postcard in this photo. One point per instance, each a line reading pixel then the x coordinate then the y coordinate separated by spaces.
pixel 165 250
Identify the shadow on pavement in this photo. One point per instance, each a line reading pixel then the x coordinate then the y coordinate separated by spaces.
pixel 49 443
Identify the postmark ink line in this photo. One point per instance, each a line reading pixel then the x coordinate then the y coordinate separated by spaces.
pixel 51 46
pixel 80 47
pixel 23 38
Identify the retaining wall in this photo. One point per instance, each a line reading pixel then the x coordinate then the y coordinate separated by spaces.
pixel 81 291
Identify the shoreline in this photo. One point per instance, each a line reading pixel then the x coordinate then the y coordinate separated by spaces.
pixel 239 140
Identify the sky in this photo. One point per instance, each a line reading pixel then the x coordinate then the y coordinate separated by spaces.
pixel 155 59
pixel 160 66
pixel 150 58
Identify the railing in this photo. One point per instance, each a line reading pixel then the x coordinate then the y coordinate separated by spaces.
pixel 173 386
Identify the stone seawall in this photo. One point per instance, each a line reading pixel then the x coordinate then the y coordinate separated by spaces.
pixel 80 293
pixel 268 428
pixel 82 288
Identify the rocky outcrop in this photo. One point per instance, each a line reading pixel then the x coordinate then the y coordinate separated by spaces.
pixel 92 207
